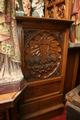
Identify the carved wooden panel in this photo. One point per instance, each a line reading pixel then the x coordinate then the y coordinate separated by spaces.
pixel 58 9
pixel 43 53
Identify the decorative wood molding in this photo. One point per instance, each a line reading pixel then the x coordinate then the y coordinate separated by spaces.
pixel 30 22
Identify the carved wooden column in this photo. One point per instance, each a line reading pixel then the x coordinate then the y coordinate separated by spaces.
pixel 45 44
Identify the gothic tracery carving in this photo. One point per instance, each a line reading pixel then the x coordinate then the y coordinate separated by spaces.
pixel 60 11
pixel 42 54
pixel 55 9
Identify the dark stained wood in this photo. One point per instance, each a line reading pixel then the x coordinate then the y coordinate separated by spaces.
pixel 46 114
pixel 44 55
pixel 42 89
pixel 50 23
pixel 78 73
pixel 72 68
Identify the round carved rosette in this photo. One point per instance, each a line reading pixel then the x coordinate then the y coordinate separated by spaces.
pixel 43 55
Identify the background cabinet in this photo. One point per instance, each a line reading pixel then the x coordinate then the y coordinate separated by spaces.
pixel 72 77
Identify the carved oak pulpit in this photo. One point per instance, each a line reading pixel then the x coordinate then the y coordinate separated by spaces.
pixel 45 45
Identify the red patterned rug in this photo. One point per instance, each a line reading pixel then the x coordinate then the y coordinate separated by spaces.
pixel 60 117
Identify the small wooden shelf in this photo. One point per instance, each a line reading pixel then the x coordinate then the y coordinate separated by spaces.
pixel 66 23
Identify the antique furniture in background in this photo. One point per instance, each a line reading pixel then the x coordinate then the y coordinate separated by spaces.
pixel 73 104
pixel 9 103
pixel 72 77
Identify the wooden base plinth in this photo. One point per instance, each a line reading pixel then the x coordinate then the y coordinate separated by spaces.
pixel 11 86
pixel 46 114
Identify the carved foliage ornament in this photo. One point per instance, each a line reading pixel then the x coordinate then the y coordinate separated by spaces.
pixel 55 9
pixel 42 54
